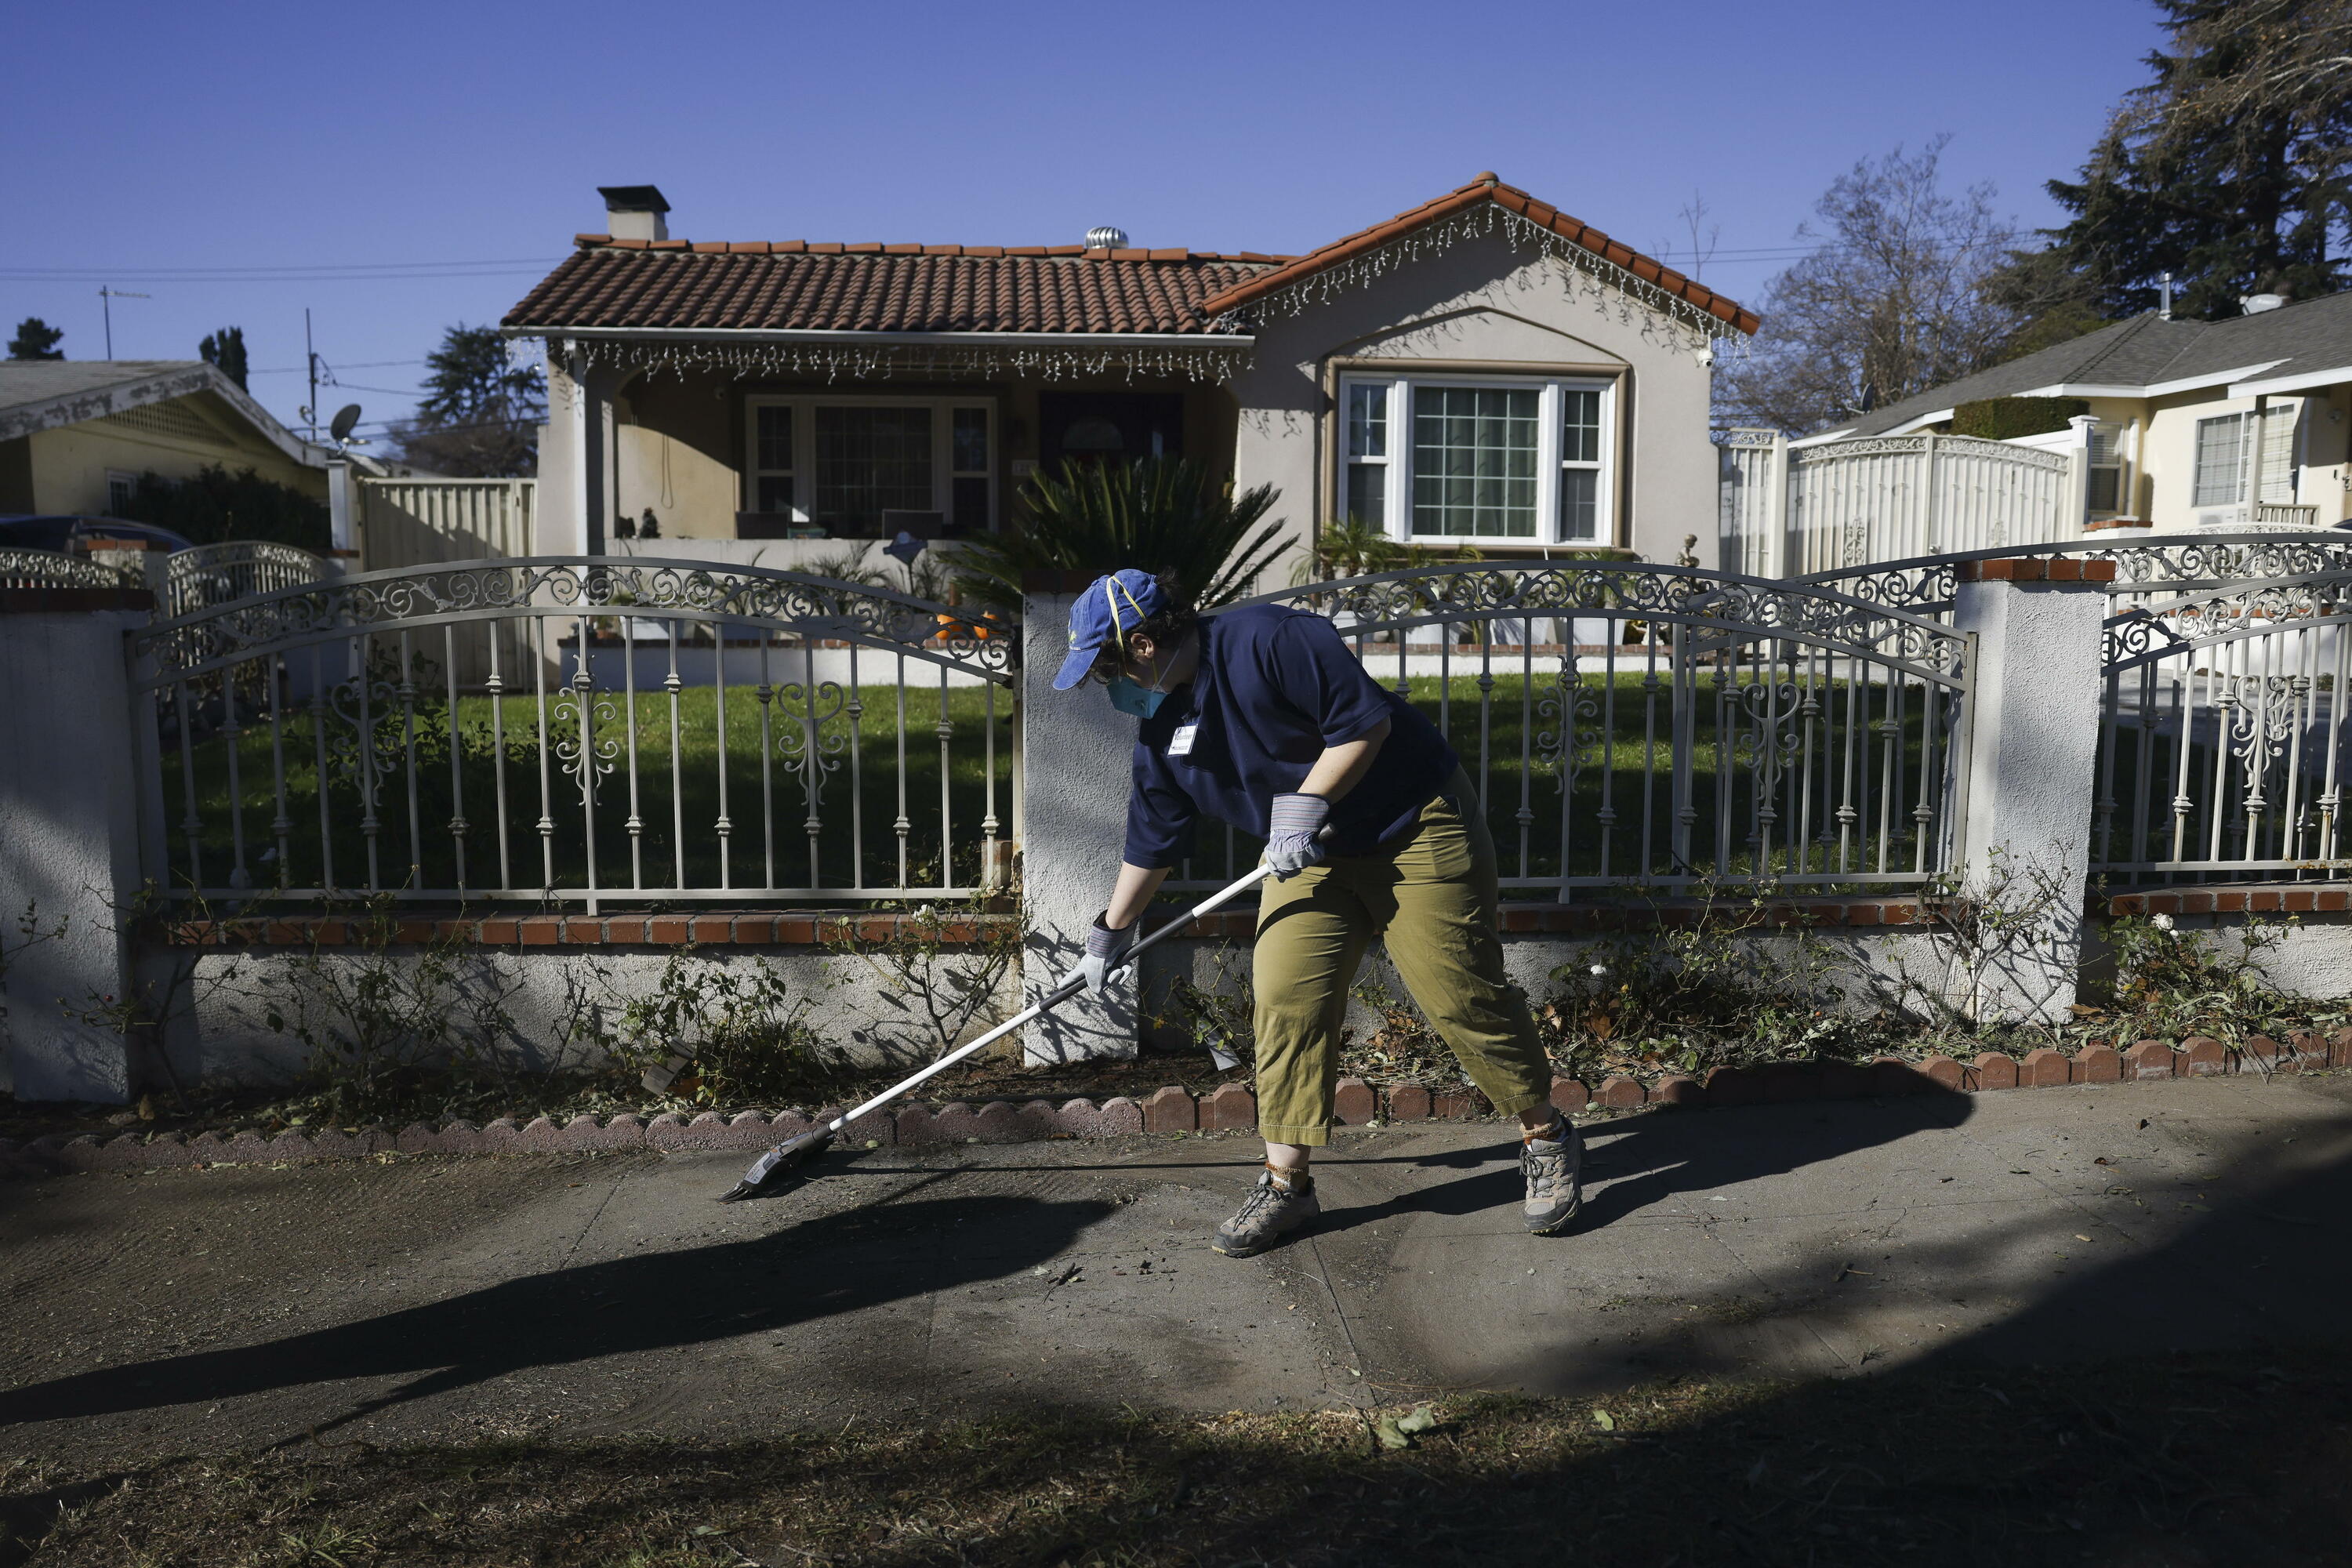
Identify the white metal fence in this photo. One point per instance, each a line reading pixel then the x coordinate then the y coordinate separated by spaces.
pixel 1629 725
pixel 842 742
pixel 233 569
pixel 54 569
pixel 1799 510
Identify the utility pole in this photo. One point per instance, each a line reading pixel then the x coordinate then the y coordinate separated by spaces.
pixel 106 299
pixel 310 358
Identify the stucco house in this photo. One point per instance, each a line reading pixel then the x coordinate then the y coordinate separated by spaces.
pixel 2218 425
pixel 75 435
pixel 1483 369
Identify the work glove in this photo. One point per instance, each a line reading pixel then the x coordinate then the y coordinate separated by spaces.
pixel 1290 834
pixel 1105 949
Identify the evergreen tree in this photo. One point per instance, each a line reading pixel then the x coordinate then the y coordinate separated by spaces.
pixel 480 411
pixel 2228 170
pixel 225 350
pixel 36 339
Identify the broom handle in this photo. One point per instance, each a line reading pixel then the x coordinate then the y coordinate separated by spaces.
pixel 1054 998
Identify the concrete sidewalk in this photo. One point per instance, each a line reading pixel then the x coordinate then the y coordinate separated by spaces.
pixel 583 1295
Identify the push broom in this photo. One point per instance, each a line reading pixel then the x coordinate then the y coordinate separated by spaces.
pixel 788 1156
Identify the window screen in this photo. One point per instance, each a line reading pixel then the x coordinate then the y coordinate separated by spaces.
pixel 1473 461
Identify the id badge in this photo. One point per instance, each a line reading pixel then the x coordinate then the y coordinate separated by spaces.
pixel 1179 744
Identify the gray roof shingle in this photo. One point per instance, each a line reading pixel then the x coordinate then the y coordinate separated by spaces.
pixel 2309 335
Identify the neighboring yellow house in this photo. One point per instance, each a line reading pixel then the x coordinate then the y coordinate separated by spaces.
pixel 2215 425
pixel 75 435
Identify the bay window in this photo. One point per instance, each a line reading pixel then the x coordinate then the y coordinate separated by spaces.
pixel 1477 459
pixel 831 467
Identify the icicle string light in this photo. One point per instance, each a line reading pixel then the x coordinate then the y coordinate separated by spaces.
pixel 1212 361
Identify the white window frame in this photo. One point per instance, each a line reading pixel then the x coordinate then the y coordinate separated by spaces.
pixel 127 483
pixel 1397 490
pixel 803 471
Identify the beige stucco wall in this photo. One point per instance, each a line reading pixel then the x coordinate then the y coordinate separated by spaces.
pixel 1480 305
pixel 2168 476
pixel 175 438
pixel 676 457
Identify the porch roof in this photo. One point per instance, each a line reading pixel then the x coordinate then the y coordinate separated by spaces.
pixel 797 287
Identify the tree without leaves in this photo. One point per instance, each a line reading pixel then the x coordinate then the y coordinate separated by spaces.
pixel 2228 170
pixel 226 351
pixel 1891 303
pixel 36 339
pixel 480 413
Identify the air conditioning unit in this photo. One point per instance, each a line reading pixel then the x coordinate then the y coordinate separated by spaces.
pixel 2222 517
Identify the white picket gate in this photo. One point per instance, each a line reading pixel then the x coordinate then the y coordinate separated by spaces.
pixel 1790 510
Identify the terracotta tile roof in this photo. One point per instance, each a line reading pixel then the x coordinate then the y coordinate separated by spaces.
pixel 876 288
pixel 1487 188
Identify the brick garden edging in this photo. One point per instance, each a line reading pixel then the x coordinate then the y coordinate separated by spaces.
pixel 1228 1108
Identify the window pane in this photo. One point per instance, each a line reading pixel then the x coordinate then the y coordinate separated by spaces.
pixel 775 439
pixel 1367 500
pixel 1473 461
pixel 971 440
pixel 2105 485
pixel 2220 460
pixel 2278 451
pixel 869 460
pixel 1368 421
pixel 1580 436
pixel 1580 503
pixel 775 493
pixel 971 504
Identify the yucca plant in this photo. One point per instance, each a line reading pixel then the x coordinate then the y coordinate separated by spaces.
pixel 1161 514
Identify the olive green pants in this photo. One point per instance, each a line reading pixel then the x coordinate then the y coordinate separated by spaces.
pixel 1432 899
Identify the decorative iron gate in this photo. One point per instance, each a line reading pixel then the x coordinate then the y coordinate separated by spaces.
pixel 639 730
pixel 1639 726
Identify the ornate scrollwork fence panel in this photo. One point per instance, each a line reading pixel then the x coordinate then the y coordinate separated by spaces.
pixel 576 731
pixel 2148 571
pixel 1631 726
pixel 233 569
pixel 2224 726
pixel 54 569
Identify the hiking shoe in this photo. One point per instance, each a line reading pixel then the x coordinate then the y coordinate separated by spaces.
pixel 1555 1173
pixel 1267 1215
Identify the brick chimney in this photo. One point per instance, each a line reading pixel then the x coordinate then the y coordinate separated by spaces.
pixel 635 212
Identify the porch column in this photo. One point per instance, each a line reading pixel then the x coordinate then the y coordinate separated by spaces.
pixel 1075 770
pixel 2031 778
pixel 575 489
pixel 69 838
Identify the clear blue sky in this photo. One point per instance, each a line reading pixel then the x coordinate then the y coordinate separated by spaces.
pixel 455 148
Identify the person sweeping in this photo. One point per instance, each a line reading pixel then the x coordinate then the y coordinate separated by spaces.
pixel 1263 718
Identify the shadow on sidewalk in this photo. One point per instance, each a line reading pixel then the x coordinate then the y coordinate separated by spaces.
pixel 842 1263
pixel 1643 1160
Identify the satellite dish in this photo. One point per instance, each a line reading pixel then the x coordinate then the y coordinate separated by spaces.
pixel 347 419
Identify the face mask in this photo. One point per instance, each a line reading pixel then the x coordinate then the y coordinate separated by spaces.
pixel 1131 695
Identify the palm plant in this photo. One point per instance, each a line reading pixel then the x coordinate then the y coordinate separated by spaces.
pixel 1166 515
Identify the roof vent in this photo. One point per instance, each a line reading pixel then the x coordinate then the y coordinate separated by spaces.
pixel 635 212
pixel 2255 304
pixel 1107 237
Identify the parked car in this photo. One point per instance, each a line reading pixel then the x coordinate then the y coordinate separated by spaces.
pixel 71 535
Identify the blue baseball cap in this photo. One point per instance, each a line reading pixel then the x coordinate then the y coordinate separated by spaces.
pixel 1110 608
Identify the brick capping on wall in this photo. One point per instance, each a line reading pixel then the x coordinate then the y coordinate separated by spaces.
pixel 1172 1108
pixel 2285 898
pixel 2035 569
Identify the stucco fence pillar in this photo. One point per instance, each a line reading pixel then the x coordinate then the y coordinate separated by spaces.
pixel 1075 753
pixel 69 837
pixel 2032 773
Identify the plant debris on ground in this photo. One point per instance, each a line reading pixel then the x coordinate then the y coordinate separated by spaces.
pixel 2156 1463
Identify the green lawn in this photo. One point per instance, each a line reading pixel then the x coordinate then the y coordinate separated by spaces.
pixel 1770 761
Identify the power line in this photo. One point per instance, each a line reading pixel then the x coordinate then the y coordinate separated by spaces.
pixel 274 272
